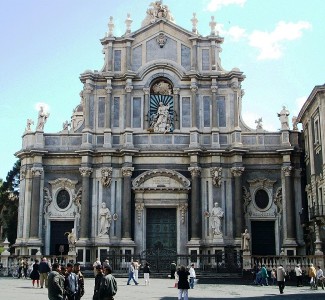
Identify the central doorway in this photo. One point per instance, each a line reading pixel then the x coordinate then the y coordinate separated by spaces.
pixel 161 229
pixel 59 241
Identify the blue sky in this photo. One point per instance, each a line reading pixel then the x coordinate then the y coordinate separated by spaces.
pixel 45 45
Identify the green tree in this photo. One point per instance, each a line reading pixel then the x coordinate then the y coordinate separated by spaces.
pixel 9 201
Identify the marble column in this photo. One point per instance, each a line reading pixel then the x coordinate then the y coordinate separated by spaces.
pixel 146 116
pixel 126 202
pixel 176 108
pixel 196 218
pixel 35 202
pixel 85 203
pixel 239 218
pixel 290 204
pixel 21 208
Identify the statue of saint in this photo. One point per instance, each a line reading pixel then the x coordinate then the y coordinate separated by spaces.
pixel 216 215
pixel 283 117
pixel 161 121
pixel 42 118
pixel 105 220
pixel 71 238
pixel 245 238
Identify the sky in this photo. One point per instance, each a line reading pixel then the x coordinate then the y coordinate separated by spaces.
pixel 46 45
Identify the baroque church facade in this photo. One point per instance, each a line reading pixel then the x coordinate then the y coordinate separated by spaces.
pixel 157 155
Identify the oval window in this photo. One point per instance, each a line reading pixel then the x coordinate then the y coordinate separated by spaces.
pixel 63 199
pixel 261 199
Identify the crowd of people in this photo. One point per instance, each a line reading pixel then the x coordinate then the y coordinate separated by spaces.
pixel 279 275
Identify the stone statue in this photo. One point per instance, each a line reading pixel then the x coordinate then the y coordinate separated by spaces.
pixel 215 218
pixel 105 220
pixel 283 117
pixel 259 123
pixel 160 121
pixel 65 125
pixel 71 238
pixel 157 11
pixel 294 123
pixel 29 123
pixel 42 118
pixel 245 238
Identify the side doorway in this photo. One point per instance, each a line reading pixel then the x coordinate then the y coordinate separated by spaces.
pixel 263 237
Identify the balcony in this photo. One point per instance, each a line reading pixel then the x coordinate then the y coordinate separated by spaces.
pixel 316 211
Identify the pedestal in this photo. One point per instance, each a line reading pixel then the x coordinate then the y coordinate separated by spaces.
pixel 247 258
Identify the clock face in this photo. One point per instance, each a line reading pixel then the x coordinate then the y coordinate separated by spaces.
pixel 63 199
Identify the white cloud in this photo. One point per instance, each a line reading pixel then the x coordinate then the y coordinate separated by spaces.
pixel 215 5
pixel 270 44
pixel 236 33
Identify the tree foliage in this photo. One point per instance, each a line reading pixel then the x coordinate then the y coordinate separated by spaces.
pixel 9 201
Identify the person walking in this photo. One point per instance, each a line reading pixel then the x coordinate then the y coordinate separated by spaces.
pixel 280 276
pixel 98 280
pixel 81 281
pixel 108 285
pixel 183 284
pixel 34 275
pixel 131 274
pixel 56 283
pixel 192 276
pixel 298 272
pixel 44 269
pixel 136 270
pixel 319 277
pixel 146 274
pixel 312 276
pixel 71 283
pixel 273 276
pixel 264 275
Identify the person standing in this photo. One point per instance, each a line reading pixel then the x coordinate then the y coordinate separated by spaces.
pixel 25 267
pixel 34 275
pixel 183 284
pixel 192 276
pixel 95 264
pixel 131 274
pixel 319 277
pixel 108 285
pixel 264 275
pixel 298 272
pixel 273 276
pixel 71 283
pixel 280 275
pixel 312 275
pixel 146 274
pixel 56 283
pixel 81 281
pixel 44 269
pixel 172 270
pixel 98 280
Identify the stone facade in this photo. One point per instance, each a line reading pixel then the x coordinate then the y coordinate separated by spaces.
pixel 312 118
pixel 159 129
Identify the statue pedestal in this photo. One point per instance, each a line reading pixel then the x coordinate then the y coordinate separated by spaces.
pixel 72 256
pixel 218 239
pixel 247 260
pixel 102 240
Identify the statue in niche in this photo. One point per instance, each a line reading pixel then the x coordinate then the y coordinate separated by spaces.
pixel 161 119
pixel 245 238
pixel 283 117
pixel 105 218
pixel 215 218
pixel 42 118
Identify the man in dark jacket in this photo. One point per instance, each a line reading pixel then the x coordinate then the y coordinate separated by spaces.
pixel 81 281
pixel 98 280
pixel 44 269
pixel 55 283
pixel 108 285
pixel 71 283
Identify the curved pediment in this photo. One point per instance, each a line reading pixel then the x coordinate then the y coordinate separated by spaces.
pixel 161 179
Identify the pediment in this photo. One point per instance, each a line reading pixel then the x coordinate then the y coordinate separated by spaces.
pixel 161 179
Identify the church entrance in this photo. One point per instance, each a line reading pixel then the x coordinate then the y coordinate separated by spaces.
pixel 263 238
pixel 59 242
pixel 161 229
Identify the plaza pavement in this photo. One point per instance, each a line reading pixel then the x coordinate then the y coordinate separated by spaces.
pixel 162 289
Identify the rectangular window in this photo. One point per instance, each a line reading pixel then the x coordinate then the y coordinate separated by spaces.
pixel 206 111
pixel 116 112
pixel 117 60
pixel 221 107
pixel 186 112
pixel 136 112
pixel 101 112
pixel 205 60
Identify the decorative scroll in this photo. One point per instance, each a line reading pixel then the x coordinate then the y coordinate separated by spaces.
pixel 216 176
pixel 106 179
pixel 139 208
pixel 47 200
pixel 183 210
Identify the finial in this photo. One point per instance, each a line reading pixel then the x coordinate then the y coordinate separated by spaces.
pixel 128 23
pixel 213 25
pixel 194 23
pixel 110 26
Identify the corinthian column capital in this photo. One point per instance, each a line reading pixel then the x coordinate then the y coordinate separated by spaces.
pixel 287 170
pixel 37 171
pixel 85 171
pixel 127 171
pixel 237 171
pixel 195 171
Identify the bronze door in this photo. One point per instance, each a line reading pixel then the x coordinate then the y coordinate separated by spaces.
pixel 161 229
